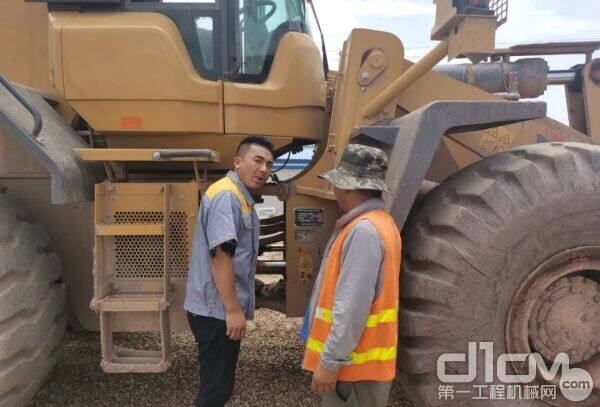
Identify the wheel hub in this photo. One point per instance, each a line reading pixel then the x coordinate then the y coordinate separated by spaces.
pixel 557 309
pixel 566 318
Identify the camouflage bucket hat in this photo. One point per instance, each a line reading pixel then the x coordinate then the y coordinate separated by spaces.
pixel 361 167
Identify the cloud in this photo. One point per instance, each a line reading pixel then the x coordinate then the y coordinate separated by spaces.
pixel 387 8
pixel 538 21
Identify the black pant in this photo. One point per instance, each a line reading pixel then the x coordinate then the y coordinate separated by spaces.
pixel 217 356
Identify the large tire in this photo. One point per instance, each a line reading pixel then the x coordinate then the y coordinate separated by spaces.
pixel 476 242
pixel 32 307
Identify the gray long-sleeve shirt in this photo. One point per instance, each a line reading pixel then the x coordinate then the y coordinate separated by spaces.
pixel 358 285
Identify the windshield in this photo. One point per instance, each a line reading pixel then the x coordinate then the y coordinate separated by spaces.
pixel 261 25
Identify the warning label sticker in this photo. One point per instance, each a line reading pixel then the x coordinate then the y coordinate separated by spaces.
pixel 306 268
pixel 313 217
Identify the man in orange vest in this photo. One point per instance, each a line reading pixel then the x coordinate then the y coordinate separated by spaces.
pixel 351 325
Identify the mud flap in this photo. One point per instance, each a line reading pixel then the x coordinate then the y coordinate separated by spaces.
pixel 412 140
pixel 28 118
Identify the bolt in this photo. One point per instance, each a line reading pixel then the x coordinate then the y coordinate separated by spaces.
pixel 111 189
pixel 365 76
pixel 363 89
pixel 192 215
pixel 156 155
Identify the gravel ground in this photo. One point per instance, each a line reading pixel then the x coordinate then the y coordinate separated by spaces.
pixel 268 372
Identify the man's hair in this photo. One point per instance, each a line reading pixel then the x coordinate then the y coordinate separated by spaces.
pixel 372 193
pixel 258 140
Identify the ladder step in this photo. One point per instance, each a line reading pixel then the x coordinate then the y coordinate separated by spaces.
pixel 131 302
pixel 127 367
pixel 145 229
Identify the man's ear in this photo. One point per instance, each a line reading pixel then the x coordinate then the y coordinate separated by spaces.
pixel 236 162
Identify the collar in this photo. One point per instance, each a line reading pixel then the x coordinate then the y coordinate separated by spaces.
pixel 369 205
pixel 234 177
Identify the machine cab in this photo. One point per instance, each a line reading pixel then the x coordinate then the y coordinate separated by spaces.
pixel 226 67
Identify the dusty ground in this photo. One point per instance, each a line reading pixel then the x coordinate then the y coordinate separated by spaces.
pixel 268 372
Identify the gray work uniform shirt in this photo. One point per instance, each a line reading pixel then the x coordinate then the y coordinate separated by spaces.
pixel 221 218
pixel 358 285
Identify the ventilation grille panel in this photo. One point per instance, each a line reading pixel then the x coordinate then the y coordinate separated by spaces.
pixel 141 257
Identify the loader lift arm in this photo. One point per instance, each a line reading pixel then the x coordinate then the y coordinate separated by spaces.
pixel 411 141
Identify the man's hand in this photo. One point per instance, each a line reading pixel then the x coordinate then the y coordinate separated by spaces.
pixel 236 324
pixel 323 380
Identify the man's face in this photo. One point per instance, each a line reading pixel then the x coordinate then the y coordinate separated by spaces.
pixel 254 166
pixel 342 198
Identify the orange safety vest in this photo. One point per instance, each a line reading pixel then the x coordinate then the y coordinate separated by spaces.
pixel 374 358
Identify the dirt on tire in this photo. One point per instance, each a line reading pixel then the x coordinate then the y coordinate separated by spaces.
pixel 32 307
pixel 474 241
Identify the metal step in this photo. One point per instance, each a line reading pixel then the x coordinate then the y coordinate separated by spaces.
pixel 131 302
pixel 131 229
pixel 128 360
pixel 109 301
pixel 116 359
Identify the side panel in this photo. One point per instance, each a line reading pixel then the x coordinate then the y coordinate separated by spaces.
pixel 24 43
pixel 309 221
pixel 132 72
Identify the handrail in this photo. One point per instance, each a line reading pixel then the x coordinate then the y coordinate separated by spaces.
pixel 37 118
pixel 166 155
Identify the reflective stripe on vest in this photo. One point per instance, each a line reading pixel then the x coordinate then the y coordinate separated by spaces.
pixel 387 315
pixel 227 184
pixel 380 354
pixel 374 357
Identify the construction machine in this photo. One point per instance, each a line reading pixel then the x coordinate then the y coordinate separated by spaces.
pixel 117 115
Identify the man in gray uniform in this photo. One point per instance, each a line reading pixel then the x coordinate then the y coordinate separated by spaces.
pixel 359 181
pixel 220 287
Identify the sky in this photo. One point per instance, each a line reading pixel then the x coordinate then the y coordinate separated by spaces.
pixel 529 21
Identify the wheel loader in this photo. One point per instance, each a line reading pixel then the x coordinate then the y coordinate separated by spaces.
pixel 117 115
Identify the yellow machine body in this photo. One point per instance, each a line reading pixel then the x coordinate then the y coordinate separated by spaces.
pixel 126 84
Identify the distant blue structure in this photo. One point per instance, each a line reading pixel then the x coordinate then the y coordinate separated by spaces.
pixel 292 164
pixel 297 161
